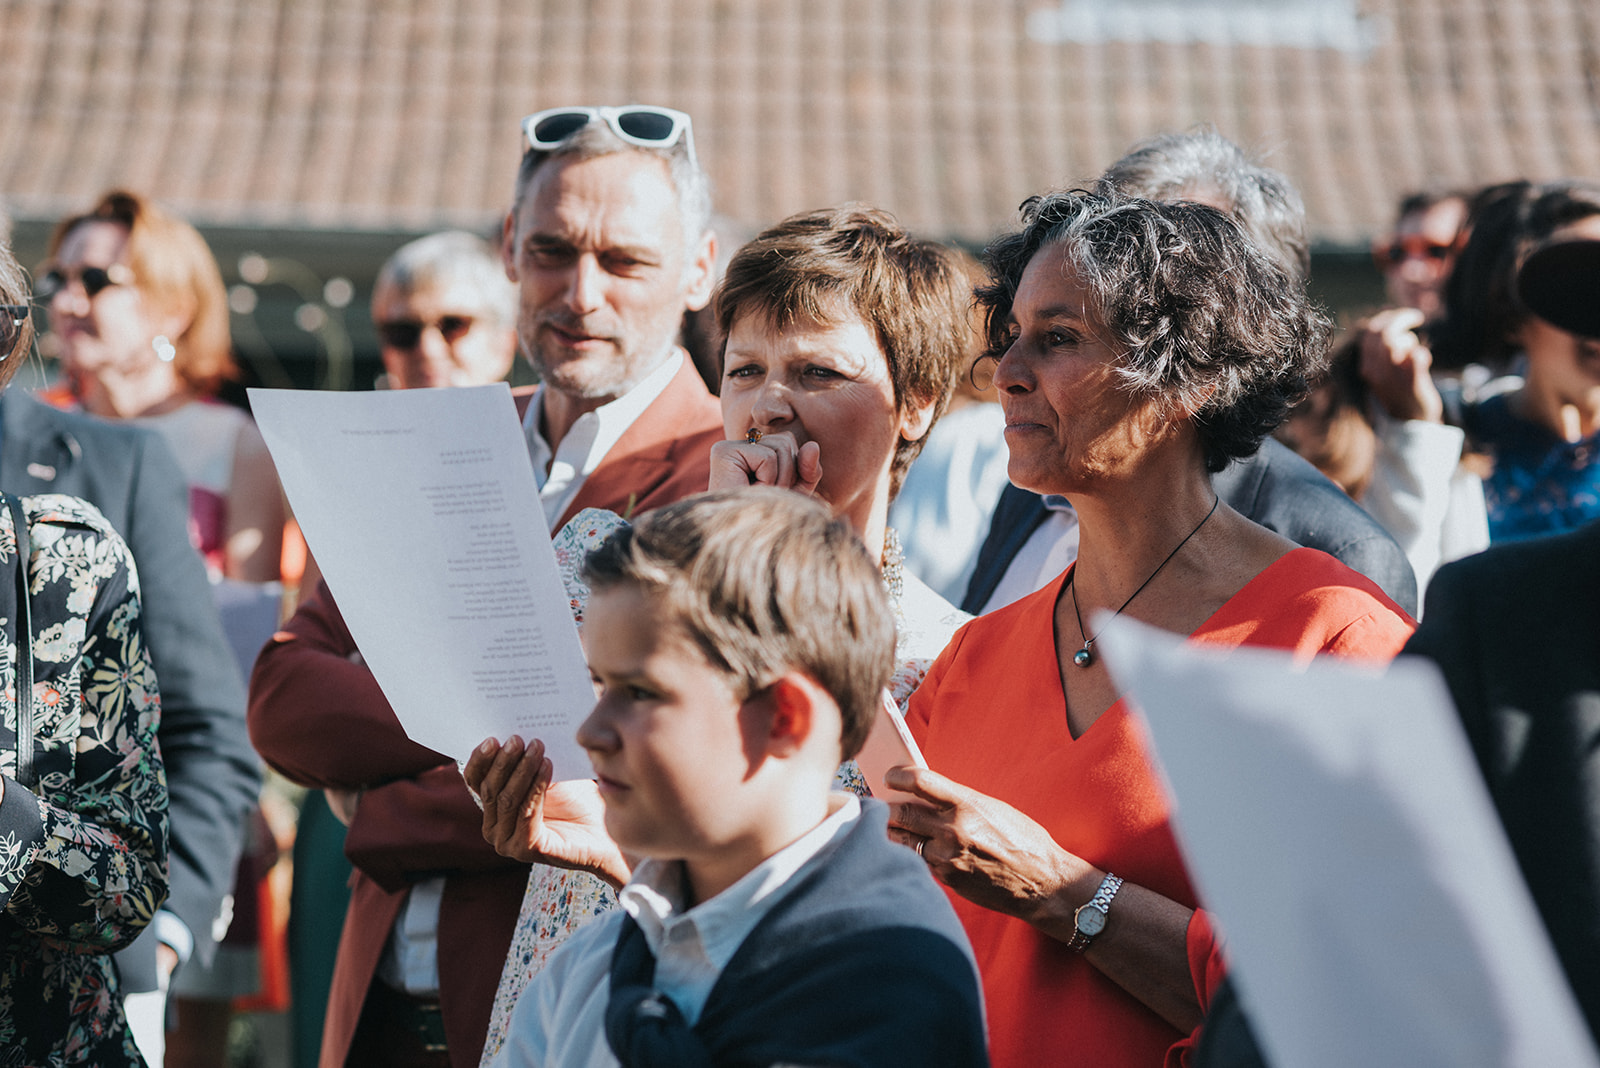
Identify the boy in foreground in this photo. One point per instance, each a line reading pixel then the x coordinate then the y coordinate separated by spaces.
pixel 739 643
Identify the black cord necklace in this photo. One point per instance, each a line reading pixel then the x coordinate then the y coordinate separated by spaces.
pixel 1084 657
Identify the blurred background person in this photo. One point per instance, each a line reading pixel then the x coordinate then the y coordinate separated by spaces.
pixel 1541 427
pixel 83 804
pixel 138 307
pixel 1415 257
pixel 445 315
pixel 947 499
pixel 130 474
pixel 1514 631
pixel 1375 425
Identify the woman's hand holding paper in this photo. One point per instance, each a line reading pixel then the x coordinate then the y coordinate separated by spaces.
pixel 529 818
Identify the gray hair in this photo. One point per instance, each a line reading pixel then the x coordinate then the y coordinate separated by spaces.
pixel 598 139
pixel 1205 166
pixel 1202 316
pixel 453 255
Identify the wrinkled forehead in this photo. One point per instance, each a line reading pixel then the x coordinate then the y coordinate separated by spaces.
pixel 426 298
pixel 613 200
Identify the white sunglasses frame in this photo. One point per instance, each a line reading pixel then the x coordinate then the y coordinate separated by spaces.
pixel 682 126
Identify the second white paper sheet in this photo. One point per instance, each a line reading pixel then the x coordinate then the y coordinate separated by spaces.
pixel 421 509
pixel 1336 824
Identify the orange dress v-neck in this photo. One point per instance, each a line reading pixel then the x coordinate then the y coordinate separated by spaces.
pixel 991 715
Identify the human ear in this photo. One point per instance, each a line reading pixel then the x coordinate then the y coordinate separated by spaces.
pixel 917 418
pixel 170 323
pixel 793 713
pixel 701 273
pixel 508 244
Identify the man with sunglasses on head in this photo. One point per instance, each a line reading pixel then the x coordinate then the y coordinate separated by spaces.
pixel 607 245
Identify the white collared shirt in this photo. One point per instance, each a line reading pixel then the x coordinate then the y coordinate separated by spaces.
pixel 561 475
pixel 560 1018
pixel 1049 550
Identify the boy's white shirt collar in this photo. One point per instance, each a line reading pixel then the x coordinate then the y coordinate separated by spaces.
pixel 692 947
pixel 591 437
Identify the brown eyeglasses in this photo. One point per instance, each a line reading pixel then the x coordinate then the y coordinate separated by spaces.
pixel 95 280
pixel 407 333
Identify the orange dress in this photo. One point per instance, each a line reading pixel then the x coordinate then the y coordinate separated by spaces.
pixel 991 715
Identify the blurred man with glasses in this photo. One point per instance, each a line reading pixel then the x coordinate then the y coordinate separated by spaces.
pixel 444 314
pixel 607 245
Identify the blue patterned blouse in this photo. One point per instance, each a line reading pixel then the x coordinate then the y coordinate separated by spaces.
pixel 1541 483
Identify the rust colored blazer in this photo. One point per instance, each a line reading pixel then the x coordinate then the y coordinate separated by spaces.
pixel 318 717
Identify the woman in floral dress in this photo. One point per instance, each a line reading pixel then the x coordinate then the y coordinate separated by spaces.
pixel 83 839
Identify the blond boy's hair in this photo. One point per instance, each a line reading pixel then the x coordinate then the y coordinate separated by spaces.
pixel 764 581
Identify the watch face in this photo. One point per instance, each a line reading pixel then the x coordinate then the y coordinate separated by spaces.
pixel 1090 921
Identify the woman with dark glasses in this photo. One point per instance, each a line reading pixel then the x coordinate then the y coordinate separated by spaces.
pixel 83 805
pixel 138 307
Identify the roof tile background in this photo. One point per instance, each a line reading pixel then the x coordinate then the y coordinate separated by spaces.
pixel 403 114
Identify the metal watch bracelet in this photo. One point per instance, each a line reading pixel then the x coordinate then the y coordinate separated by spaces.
pixel 1101 902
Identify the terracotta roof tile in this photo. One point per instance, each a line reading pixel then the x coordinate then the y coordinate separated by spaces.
pixel 402 114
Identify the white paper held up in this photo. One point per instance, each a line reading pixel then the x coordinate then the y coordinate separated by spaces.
pixel 421 508
pixel 1335 822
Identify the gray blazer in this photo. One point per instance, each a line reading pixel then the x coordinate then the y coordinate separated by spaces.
pixel 212 772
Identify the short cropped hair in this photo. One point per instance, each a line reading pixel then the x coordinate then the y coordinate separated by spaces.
pixel 764 581
pixel 174 269
pixel 440 259
pixel 1482 312
pixel 14 290
pixel 1203 165
pixel 598 139
pixel 1201 314
pixel 912 293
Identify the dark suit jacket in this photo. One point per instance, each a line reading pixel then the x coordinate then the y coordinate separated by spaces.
pixel 318 716
pixel 1275 487
pixel 1516 631
pixel 212 774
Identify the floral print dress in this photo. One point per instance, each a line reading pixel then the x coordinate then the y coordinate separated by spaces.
pixel 83 857
pixel 557 901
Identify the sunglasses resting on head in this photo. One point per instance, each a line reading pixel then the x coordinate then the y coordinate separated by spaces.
pixel 638 124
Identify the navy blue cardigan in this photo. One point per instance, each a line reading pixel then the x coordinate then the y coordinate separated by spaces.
pixel 862 963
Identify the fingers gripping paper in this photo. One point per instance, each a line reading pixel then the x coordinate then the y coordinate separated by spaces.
pixel 422 511
pixel 1337 826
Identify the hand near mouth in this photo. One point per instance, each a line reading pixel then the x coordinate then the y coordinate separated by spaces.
pixel 774 459
pixel 529 819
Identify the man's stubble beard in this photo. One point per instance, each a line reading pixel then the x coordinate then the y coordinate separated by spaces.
pixel 597 377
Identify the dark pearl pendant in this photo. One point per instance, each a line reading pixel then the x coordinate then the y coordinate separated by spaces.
pixel 1083 657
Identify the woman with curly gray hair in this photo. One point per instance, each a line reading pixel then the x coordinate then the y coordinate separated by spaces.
pixel 1139 348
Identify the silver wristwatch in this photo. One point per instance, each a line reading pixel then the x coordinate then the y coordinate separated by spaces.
pixel 1090 919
